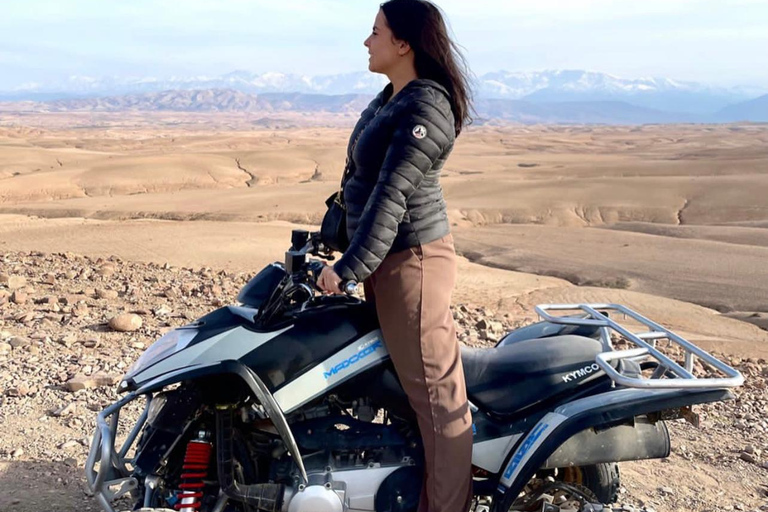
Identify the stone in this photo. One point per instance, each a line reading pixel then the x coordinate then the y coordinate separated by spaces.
pixel 106 294
pixel 18 341
pixel 15 282
pixel 80 309
pixel 127 322
pixel 103 379
pixel 91 343
pixel 98 380
pixel 18 452
pixel 752 450
pixel 49 278
pixel 19 391
pixel 67 410
pixel 67 445
pixel 77 383
pixel 25 318
pixel 68 340
pixel 489 335
pixel 19 297
pixel 748 457
pixel 163 311
pixel 106 270
pixel 54 318
pixel 5 348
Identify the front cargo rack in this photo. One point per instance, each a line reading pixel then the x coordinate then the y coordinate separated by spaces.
pixel 667 374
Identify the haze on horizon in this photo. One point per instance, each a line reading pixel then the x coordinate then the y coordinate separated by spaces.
pixel 708 41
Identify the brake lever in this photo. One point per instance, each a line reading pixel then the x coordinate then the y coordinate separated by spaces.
pixel 318 248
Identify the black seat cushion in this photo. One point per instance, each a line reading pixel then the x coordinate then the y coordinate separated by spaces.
pixel 508 378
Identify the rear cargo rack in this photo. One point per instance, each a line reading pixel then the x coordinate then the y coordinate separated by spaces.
pixel 668 374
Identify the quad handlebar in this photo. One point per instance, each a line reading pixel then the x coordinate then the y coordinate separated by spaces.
pixel 304 243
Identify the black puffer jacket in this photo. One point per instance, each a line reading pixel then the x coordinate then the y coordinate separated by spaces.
pixel 393 197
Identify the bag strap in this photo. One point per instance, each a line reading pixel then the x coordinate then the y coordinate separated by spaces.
pixel 348 166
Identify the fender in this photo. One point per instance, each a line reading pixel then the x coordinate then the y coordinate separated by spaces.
pixel 566 421
pixel 103 445
pixel 257 387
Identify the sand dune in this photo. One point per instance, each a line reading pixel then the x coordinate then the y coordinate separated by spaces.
pixel 723 276
pixel 731 234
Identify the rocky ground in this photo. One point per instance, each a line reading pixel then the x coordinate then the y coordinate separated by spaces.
pixel 71 325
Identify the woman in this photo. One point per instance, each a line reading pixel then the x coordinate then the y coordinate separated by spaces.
pixel 400 241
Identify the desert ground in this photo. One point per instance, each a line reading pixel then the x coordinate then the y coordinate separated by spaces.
pixel 669 220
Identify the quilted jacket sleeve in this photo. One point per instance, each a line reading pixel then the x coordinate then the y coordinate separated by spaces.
pixel 422 134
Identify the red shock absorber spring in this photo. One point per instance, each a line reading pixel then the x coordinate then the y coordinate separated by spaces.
pixel 194 470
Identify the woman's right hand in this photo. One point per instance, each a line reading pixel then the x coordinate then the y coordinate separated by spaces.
pixel 329 281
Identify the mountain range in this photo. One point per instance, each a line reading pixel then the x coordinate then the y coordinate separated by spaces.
pixel 555 96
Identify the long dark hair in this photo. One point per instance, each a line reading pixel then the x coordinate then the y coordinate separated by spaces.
pixel 420 23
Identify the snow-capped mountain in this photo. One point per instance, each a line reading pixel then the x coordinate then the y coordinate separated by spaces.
pixel 243 81
pixel 537 92
pixel 575 85
pixel 516 85
pixel 548 85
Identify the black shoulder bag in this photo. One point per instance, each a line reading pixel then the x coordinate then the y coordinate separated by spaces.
pixel 333 231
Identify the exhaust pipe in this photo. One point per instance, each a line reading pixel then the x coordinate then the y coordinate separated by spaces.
pixel 266 497
pixel 643 440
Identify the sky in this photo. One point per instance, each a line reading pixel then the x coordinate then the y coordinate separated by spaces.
pixel 720 42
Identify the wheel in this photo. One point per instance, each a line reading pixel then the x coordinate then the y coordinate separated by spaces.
pixel 585 484
pixel 601 479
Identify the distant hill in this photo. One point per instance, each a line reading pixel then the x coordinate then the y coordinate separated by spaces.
pixel 752 110
pixel 226 100
pixel 489 110
pixel 577 112
pixel 214 100
pixel 657 93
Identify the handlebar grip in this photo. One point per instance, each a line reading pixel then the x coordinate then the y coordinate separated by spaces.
pixel 348 287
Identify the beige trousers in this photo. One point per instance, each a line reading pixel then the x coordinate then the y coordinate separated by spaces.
pixel 412 292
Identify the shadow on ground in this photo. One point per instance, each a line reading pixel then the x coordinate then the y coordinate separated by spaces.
pixel 43 486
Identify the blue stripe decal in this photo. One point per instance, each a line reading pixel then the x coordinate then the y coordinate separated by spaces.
pixel 526 446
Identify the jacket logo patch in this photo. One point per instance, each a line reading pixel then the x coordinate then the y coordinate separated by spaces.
pixel 419 131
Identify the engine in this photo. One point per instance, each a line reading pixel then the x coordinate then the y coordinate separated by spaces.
pixel 375 488
pixel 353 463
pixel 355 456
